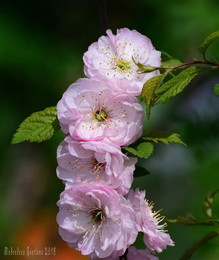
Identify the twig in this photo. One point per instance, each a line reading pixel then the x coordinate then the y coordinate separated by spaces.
pixel 103 16
pixel 189 252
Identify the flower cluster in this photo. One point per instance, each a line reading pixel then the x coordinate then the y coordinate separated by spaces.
pixel 99 214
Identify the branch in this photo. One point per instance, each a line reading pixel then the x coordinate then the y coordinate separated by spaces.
pixel 103 16
pixel 189 252
pixel 147 68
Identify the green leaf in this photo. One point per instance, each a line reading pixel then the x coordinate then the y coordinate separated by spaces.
pixel 171 63
pixel 144 68
pixel 38 127
pixel 165 137
pixel 143 150
pixel 208 41
pixel 140 171
pixel 149 90
pixel 176 85
pixel 208 201
pixel 216 90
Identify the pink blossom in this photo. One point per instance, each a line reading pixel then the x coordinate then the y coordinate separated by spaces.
pixel 112 57
pixel 96 220
pixel 90 111
pixel 148 222
pixel 95 162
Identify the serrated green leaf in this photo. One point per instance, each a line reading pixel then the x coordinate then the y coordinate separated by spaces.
pixel 149 90
pixel 38 127
pixel 216 90
pixel 171 63
pixel 165 137
pixel 208 41
pixel 208 201
pixel 176 85
pixel 143 150
pixel 140 172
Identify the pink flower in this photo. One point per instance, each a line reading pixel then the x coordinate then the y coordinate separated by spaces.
pixel 112 57
pixel 96 220
pixel 148 222
pixel 95 162
pixel 90 111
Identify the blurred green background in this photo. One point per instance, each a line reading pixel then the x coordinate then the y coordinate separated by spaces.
pixel 41 49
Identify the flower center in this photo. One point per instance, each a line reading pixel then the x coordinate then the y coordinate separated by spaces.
pixel 97 215
pixel 98 167
pixel 100 115
pixel 123 65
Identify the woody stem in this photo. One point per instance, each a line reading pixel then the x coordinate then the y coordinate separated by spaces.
pixel 103 16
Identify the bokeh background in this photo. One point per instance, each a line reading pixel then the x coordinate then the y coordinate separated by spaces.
pixel 41 49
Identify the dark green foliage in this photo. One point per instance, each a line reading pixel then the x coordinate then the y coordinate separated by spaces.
pixel 216 90
pixel 140 171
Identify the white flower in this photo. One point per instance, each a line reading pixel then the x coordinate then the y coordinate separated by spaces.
pixel 90 111
pixel 96 220
pixel 95 162
pixel 113 57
